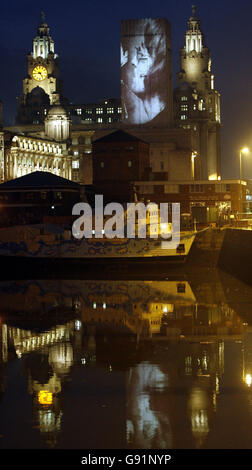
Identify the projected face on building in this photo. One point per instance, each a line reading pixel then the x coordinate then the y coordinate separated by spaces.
pixel 143 69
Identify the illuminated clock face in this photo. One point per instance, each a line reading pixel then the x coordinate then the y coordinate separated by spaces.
pixel 39 73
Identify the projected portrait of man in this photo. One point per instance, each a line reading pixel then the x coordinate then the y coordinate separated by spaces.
pixel 143 63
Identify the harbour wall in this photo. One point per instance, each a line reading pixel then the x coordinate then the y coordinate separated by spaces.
pixel 206 249
pixel 235 255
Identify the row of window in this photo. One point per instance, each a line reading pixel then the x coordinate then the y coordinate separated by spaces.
pixel 114 149
pixel 176 188
pixel 99 111
pixel 32 196
pixel 100 119
pixel 102 164
pixel 41 147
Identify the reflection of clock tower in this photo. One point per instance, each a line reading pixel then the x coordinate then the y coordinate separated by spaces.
pixel 41 87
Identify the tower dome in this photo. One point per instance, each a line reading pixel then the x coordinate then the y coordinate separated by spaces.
pixel 57 123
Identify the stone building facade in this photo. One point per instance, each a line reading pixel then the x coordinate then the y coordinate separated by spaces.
pixel 42 86
pixel 197 103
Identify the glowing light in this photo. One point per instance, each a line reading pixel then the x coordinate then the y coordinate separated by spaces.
pixel 212 177
pixel 248 380
pixel 194 155
pixel 245 150
pixel 39 73
pixel 45 397
pixel 77 324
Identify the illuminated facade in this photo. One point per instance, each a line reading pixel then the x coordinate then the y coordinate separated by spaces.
pixel 41 86
pixel 106 111
pixel 57 124
pixel 146 79
pixel 26 154
pixel 197 103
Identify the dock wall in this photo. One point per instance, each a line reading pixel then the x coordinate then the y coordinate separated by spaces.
pixel 236 254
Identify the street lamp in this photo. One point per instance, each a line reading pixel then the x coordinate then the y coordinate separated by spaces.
pixel 194 155
pixel 244 150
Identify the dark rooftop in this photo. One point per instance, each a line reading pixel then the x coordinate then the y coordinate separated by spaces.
pixel 39 179
pixel 119 136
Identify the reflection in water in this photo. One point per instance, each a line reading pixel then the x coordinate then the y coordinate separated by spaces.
pixel 169 345
pixel 146 428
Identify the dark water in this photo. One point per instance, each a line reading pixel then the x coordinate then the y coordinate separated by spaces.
pixel 126 364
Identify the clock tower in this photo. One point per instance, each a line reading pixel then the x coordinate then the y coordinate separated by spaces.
pixel 42 86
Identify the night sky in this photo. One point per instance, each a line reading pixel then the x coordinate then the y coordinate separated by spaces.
pixel 87 40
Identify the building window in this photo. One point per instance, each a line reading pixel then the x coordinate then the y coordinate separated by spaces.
pixel 129 163
pixel 196 188
pixel 76 152
pixel 194 107
pixel 88 111
pixel 99 119
pixel 75 164
pixel 146 189
pixel 102 164
pixel 228 188
pixel 88 120
pixel 161 165
pixel 119 110
pixel 99 110
pixel 110 119
pixel 171 188
pixel 184 107
pixel 183 98
pixel 78 110
pixel 110 110
pixel 183 117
